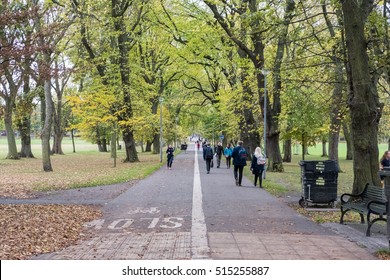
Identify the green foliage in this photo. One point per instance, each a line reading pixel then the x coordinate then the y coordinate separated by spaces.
pixel 305 113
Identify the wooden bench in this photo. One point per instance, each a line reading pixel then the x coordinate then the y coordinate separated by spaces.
pixel 371 200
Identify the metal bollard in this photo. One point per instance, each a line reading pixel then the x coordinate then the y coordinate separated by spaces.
pixel 386 174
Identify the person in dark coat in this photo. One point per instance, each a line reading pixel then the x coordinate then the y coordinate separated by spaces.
pixel 258 166
pixel 208 156
pixel 239 161
pixel 219 152
pixel 170 154
pixel 385 162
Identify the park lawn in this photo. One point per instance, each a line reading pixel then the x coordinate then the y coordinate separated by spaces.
pixel 25 229
pixel 85 168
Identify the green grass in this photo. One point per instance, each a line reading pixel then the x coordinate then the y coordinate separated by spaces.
pixel 289 181
pixel 81 145
pixel 85 168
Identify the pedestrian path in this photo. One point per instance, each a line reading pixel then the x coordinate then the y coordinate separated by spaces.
pixel 185 213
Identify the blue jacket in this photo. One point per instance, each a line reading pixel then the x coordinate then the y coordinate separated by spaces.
pixel 236 160
pixel 228 152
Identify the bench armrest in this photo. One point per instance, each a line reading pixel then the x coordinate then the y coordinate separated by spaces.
pixel 348 196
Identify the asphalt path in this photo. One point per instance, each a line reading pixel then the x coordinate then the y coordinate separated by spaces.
pixel 185 213
pixel 164 202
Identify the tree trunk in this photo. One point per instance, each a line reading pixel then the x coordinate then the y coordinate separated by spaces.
pixel 148 147
pixel 24 123
pixel 248 133
pixel 335 115
pixel 100 146
pixel 104 144
pixel 324 151
pixel 73 144
pixel 124 45
pixel 131 152
pixel 156 143
pixel 365 108
pixel 273 149
pixel 287 150
pixel 25 137
pixel 303 147
pixel 337 96
pixel 334 145
pixel 46 130
pixel 57 142
pixel 8 112
pixel 12 149
pixel 57 128
pixel 348 142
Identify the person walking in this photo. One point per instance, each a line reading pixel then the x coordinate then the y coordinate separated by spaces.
pixel 258 165
pixel 384 162
pixel 239 156
pixel 219 152
pixel 208 156
pixel 228 155
pixel 170 154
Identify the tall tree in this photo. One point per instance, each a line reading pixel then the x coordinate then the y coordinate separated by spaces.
pixel 364 103
pixel 111 56
pixel 61 77
pixel 338 100
pixel 250 10
pixel 11 57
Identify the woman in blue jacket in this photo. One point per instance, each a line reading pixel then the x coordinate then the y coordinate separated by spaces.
pixel 228 155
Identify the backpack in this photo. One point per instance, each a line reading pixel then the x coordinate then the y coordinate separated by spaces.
pixel 260 160
pixel 242 154
pixel 209 153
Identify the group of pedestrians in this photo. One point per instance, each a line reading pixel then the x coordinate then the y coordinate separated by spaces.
pixel 239 156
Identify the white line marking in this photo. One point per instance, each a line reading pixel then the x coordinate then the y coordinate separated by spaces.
pixel 199 244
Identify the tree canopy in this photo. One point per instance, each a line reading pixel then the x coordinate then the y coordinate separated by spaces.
pixel 99 66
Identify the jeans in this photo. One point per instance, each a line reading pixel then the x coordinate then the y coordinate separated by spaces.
pixel 240 169
pixel 169 161
pixel 259 175
pixel 208 164
pixel 228 161
pixel 219 160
